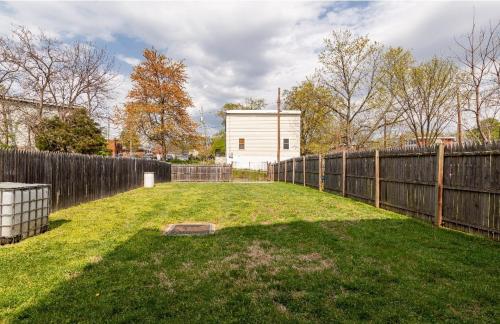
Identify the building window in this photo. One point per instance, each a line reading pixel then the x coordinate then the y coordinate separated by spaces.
pixel 242 143
pixel 286 143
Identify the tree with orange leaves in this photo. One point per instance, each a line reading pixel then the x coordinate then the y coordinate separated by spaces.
pixel 157 104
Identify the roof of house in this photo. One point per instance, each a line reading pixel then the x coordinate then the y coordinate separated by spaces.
pixel 35 102
pixel 261 112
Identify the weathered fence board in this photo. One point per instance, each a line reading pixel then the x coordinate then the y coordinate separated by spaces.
pixel 408 182
pixel 77 178
pixel 299 174
pixel 360 175
pixel 289 170
pixel 275 171
pixel 201 173
pixel 471 197
pixel 312 171
pixel 281 173
pixel 333 172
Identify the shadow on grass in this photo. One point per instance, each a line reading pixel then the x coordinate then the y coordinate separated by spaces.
pixel 379 270
pixel 53 224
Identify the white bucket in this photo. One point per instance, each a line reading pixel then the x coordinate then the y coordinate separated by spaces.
pixel 149 179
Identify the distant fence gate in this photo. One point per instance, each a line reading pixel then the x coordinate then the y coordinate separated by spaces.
pixel 201 173
pixel 456 187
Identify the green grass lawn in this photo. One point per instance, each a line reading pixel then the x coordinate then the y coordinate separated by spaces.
pixel 281 252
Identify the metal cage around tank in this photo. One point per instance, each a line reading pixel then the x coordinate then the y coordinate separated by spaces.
pixel 24 210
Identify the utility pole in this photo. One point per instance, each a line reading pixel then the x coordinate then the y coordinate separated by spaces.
pixel 278 106
pixel 202 122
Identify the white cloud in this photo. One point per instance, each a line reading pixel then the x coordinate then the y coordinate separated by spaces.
pixel 127 59
pixel 236 50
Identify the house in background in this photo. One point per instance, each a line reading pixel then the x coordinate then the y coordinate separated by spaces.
pixel 252 135
pixel 15 112
pixel 446 140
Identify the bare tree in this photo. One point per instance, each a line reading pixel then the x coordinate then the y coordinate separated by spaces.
pixel 8 77
pixel 479 59
pixel 85 78
pixel 38 58
pixel 62 75
pixel 425 94
pixel 350 70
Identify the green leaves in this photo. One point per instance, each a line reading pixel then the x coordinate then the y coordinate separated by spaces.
pixel 250 104
pixel 77 134
pixel 317 121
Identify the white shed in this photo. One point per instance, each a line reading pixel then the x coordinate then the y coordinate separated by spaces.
pixel 252 135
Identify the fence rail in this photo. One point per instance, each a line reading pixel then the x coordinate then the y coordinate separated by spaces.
pixel 77 178
pixel 456 187
pixel 201 173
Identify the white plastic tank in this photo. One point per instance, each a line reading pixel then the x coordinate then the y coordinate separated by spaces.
pixel 149 179
pixel 24 210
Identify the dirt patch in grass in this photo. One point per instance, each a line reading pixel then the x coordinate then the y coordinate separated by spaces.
pixel 263 258
pixel 73 275
pixel 281 308
pixel 164 281
pixel 314 262
pixel 95 259
pixel 259 256
pixel 157 258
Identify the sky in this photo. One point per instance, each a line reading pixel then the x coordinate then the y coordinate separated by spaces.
pixel 235 50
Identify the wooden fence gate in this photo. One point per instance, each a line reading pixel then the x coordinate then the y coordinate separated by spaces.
pixel 201 173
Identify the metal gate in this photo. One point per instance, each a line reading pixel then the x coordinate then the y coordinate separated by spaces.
pixel 201 173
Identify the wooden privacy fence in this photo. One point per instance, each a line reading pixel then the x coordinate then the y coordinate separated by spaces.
pixel 456 187
pixel 77 178
pixel 201 173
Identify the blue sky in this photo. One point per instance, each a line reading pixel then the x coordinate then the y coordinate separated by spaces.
pixel 235 50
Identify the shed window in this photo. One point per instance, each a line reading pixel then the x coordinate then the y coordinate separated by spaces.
pixel 286 143
pixel 241 143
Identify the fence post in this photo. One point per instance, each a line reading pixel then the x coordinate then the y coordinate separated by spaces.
pixel 344 168
pixel 377 179
pixel 293 170
pixel 320 173
pixel 278 170
pixel 304 169
pixel 286 162
pixel 438 213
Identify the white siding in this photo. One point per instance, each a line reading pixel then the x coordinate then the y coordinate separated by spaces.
pixel 17 117
pixel 260 133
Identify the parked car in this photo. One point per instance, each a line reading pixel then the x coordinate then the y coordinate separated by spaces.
pixel 183 157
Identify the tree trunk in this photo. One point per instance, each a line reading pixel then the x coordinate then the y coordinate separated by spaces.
pixel 459 121
pixel 385 132
pixel 478 117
